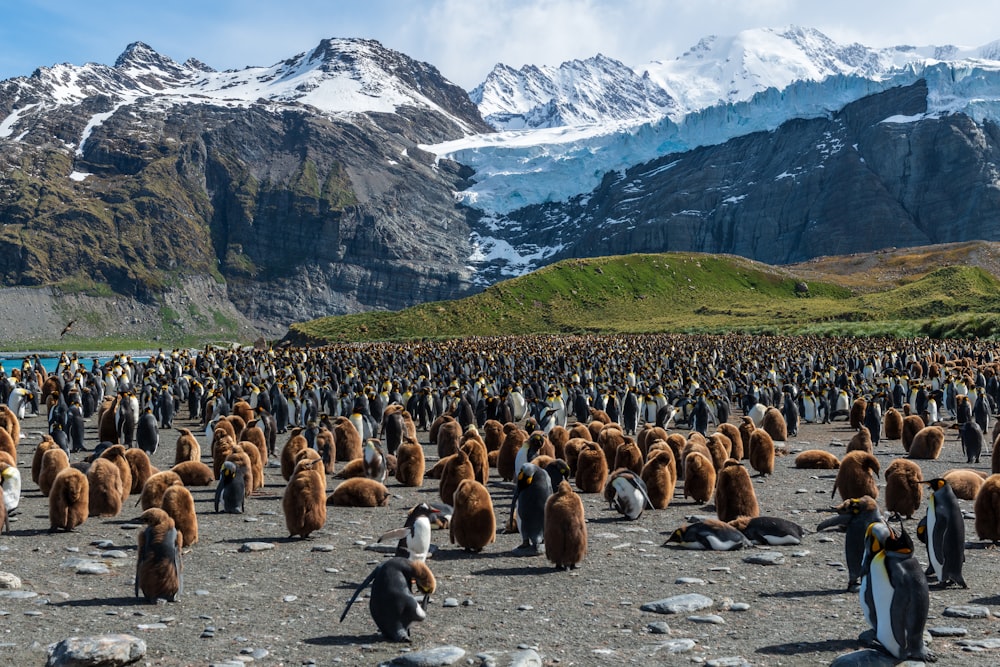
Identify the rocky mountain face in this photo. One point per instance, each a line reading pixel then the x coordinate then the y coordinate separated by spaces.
pixel 300 188
pixel 873 175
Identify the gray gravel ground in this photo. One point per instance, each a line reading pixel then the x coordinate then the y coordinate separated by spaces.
pixel 281 606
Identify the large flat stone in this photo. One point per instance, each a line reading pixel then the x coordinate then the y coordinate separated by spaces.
pixel 96 651
pixel 679 604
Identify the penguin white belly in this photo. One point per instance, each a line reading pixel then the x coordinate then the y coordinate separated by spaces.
pixel 12 489
pixel 936 559
pixel 718 544
pixel 628 499
pixel 883 593
pixel 419 542
pixel 808 410
pixel 757 413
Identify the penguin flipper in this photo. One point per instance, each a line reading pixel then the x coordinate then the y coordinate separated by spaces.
pixel 396 534
pixel 364 584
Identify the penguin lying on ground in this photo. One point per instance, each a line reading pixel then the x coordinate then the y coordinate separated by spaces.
pixel 708 534
pixel 770 530
pixel 392 605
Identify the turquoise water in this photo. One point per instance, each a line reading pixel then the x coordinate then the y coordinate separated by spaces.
pixel 50 363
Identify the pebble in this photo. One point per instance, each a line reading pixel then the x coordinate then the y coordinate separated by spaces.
pixel 152 626
pixel 739 606
pixel 732 661
pixel 208 632
pixel 249 519
pixel 947 632
pixel 868 657
pixel 800 554
pixel 103 544
pixel 690 580
pixel 256 546
pixel 32 613
pixel 967 611
pixel 9 581
pixel 114 553
pixel 525 607
pixel 109 650
pixel 290 598
pixel 765 558
pixel 525 658
pixel 131 526
pixel 659 628
pixel 17 595
pixel 712 619
pixel 331 570
pixel 323 548
pixel 450 602
pixel 679 604
pixel 93 567
pixel 434 657
pixel 677 645
pixel 201 592
pixel 825 539
pixel 800 490
pixel 991 643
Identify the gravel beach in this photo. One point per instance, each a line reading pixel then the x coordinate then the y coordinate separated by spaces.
pixel 280 605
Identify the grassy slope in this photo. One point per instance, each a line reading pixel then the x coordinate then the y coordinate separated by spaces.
pixel 690 292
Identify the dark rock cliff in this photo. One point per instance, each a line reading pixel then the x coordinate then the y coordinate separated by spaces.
pixel 867 177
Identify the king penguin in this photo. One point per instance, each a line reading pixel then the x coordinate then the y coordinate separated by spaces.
pixel 945 534
pixel 628 493
pixel 533 489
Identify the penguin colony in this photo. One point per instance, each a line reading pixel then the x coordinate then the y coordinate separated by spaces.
pixel 652 433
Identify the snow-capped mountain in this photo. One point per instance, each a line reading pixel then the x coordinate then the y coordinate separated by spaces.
pixel 579 92
pixel 300 185
pixel 720 89
pixel 339 77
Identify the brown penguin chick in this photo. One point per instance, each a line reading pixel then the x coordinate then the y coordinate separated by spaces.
pixel 649 434
pixel 69 500
pixel 7 459
pixel 912 425
pixel 243 410
pixel 432 432
pixel 677 443
pixel 118 455
pixel 178 503
pixel 734 494
pixel 254 434
pixel 295 444
pixel 54 461
pixel 746 428
pixel 476 451
pixel 221 428
pixel 107 428
pixel 139 468
pixel 579 431
pixel 449 436
pixel 346 439
pixel 719 447
pixel 995 459
pixel 237 422
pixel 352 469
pixel 861 441
pixel 492 435
pixel 565 531
pixel 761 452
pixel 304 502
pixel 326 447
pixel 610 439
pixel 10 423
pixel 187 448
pixel 892 424
pixel 152 490
pixel 599 416
pixel 656 446
pixel 438 468
pixel 856 416
pixel 559 436
pixel 695 446
pixel 512 443
pixel 194 473
pixel 7 445
pixel 987 510
pixel 473 523
pixel 572 448
pixel 158 570
pixel 699 477
pixel 542 460
pixel 903 490
pixel 221 449
pixel 629 456
pixel 595 427
pixel 965 483
pixel 105 488
pixel 927 443
pixel 410 463
pixel 774 425
pixel 359 492
pixel 36 460
pixel 660 477
pixel 245 468
pixel 854 478
pixel 817 459
pixel 256 465
pixel 457 469
pixel 591 469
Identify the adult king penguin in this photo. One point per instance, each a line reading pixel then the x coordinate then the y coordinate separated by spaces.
pixel 945 534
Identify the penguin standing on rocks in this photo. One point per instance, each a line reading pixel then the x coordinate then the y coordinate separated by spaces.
pixel 894 595
pixel 147 435
pixel 392 605
pixel 854 515
pixel 231 490
pixel 945 534
pixel 533 489
pixel 158 568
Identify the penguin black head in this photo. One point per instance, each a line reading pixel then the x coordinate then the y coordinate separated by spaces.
pixel 936 484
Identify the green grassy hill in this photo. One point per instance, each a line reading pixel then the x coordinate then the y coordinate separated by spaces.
pixel 687 293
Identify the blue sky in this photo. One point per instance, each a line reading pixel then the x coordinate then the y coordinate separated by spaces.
pixel 462 38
